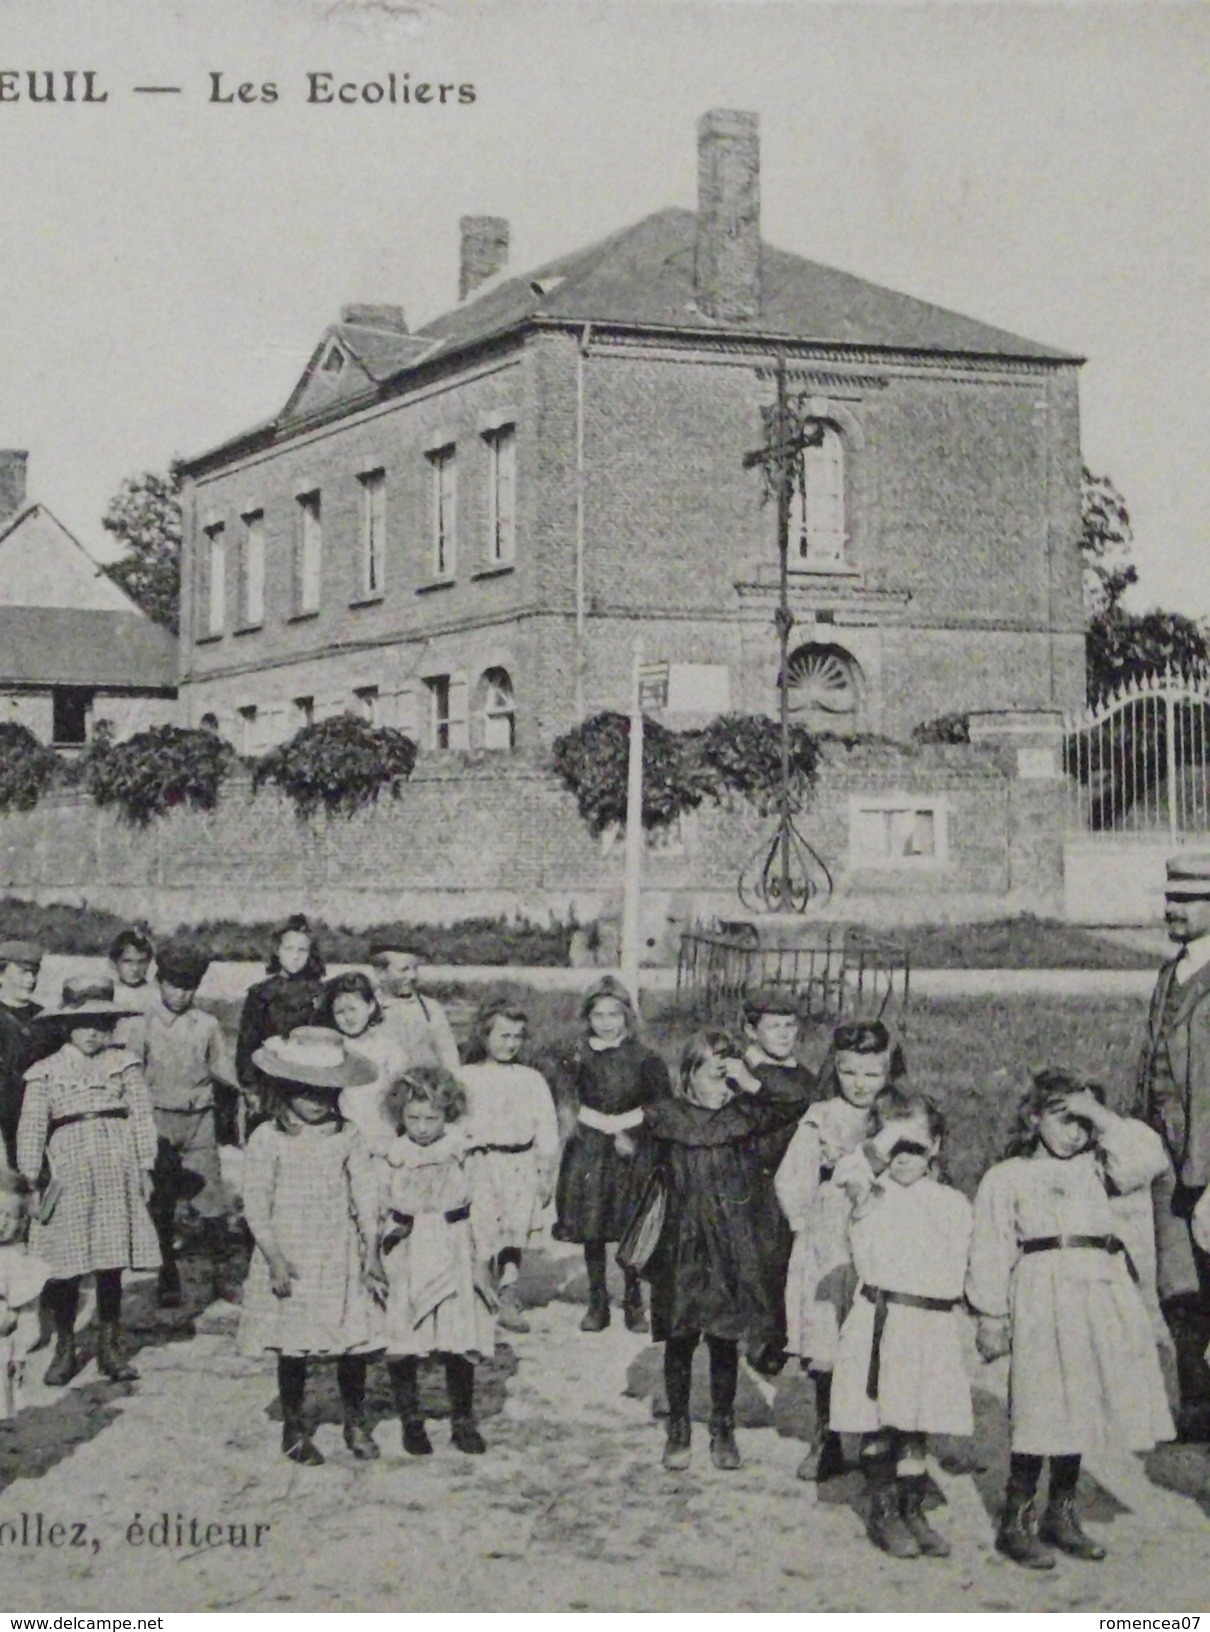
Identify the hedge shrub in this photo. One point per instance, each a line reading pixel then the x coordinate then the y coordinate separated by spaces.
pixel 169 767
pixel 26 767
pixel 338 766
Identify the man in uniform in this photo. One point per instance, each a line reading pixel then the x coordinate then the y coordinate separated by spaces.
pixel 20 962
pixel 1174 1097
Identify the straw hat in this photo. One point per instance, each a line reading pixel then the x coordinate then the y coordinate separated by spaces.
pixel 314 1057
pixel 1189 875
pixel 85 998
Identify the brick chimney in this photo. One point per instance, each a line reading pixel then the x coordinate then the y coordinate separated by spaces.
pixel 484 250
pixel 370 316
pixel 12 481
pixel 726 263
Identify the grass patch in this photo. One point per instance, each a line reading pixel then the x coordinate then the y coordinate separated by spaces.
pixel 1025 942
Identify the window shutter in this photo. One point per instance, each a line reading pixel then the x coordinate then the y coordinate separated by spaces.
pixel 459 710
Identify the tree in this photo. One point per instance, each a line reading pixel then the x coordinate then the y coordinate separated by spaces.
pixel 1106 537
pixel 145 516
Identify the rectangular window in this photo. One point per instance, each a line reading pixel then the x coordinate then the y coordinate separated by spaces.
pixel 304 712
pixel 69 708
pixel 502 495
pixel 818 536
pixel 367 703
pixel 445 509
pixel 894 832
pixel 252 611
pixel 216 578
pixel 373 532
pixel 247 729
pixel 439 710
pixel 309 558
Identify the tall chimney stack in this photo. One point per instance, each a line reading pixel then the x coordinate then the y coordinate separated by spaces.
pixel 726 263
pixel 484 250
pixel 12 481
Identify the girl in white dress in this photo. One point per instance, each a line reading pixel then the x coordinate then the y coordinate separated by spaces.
pixel 900 1370
pixel 819 1287
pixel 512 1114
pixel 311 1200
pixel 1055 1289
pixel 440 1234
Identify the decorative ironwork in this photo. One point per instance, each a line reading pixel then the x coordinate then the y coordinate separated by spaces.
pixel 1138 761
pixel 790 873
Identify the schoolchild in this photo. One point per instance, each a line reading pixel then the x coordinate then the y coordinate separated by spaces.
pixel 419 1022
pixel 900 1367
pixel 311 1200
pixel 22 1277
pixel 350 1005
pixel 287 998
pixel 608 1156
pixel 20 964
pixel 440 1233
pixel 512 1113
pixel 88 1118
pixel 1055 1290
pixel 860 1062
pixel 185 1062
pixel 130 957
pixel 708 1274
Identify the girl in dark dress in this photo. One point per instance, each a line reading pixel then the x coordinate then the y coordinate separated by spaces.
pixel 608 1158
pixel 291 996
pixel 709 1273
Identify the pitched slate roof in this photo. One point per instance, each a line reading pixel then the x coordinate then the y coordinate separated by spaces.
pixel 643 275
pixel 66 646
pixel 377 355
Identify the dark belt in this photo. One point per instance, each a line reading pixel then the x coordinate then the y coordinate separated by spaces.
pixel 404 1221
pixel 1098 1243
pixel 511 1150
pixel 58 1122
pixel 882 1300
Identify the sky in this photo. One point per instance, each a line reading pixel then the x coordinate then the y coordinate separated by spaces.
pixel 168 262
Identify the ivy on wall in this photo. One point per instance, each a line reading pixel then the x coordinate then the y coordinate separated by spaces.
pixel 338 766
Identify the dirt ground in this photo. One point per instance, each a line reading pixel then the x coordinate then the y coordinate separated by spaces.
pixel 569 1509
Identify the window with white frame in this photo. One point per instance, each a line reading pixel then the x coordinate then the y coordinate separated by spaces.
pixel 444 478
pixel 501 494
pixel 499 711
pixel 439 710
pixel 898 831
pixel 367 703
pixel 216 578
pixel 252 586
pixel 818 520
pixel 373 532
pixel 304 712
pixel 309 554
pixel 248 738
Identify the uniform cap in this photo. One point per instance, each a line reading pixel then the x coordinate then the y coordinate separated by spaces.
pixel 1189 874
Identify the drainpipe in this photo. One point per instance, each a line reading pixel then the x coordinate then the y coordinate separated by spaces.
pixel 581 619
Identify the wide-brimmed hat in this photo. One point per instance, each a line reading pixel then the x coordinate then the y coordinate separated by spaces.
pixel 86 998
pixel 314 1057
pixel 24 952
pixel 1189 875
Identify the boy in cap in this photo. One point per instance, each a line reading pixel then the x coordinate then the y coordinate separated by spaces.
pixel 185 1060
pixel 419 1024
pixel 1174 1097
pixel 20 962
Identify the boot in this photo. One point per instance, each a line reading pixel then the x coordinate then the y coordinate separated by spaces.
pixel 824 1461
pixel 911 1505
pixel 597 1316
pixel 1061 1528
pixel 676 1448
pixel 110 1361
pixel 724 1452
pixel 466 1436
pixel 416 1441
pixel 633 1312
pixel 357 1436
pixel 65 1363
pixel 885 1525
pixel 511 1316
pixel 1017 1538
pixel 296 1445
pixel 168 1285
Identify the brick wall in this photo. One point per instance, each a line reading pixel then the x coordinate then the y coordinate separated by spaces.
pixel 490 837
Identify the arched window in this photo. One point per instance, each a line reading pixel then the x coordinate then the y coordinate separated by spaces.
pixel 818 530
pixel 825 685
pixel 499 711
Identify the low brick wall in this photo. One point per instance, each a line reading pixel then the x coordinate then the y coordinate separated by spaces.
pixel 469 839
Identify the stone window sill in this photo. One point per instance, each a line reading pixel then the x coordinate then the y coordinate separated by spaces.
pixel 435 584
pixel 248 629
pixel 303 617
pixel 208 640
pixel 494 569
pixel 376 599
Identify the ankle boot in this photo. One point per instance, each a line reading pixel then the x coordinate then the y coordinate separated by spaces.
pixel 296 1445
pixel 597 1316
pixel 724 1452
pixel 823 1461
pixel 1061 1528
pixel 464 1433
pixel 168 1285
pixel 1017 1536
pixel 912 1490
pixel 885 1524
pixel 357 1435
pixel 416 1441
pixel 633 1312
pixel 676 1448
pixel 511 1316
pixel 110 1360
pixel 65 1363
